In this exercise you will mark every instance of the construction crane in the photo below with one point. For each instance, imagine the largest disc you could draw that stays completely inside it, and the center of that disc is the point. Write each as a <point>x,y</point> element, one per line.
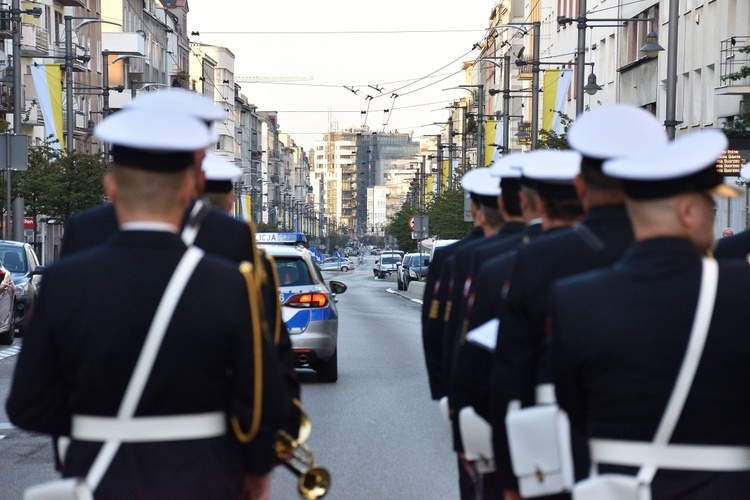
<point>272,79</point>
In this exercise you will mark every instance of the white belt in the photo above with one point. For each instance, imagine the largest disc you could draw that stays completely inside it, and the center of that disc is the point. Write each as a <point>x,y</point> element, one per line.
<point>143,429</point>
<point>695,457</point>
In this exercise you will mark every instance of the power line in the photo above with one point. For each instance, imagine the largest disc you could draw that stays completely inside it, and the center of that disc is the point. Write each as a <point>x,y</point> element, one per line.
<point>346,32</point>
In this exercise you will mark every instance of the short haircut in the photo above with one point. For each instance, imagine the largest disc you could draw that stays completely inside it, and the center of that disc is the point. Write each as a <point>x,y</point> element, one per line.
<point>146,190</point>
<point>591,172</point>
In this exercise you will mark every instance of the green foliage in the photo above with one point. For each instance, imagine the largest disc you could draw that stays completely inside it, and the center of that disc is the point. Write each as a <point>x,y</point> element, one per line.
<point>265,227</point>
<point>447,215</point>
<point>398,227</point>
<point>59,184</point>
<point>744,71</point>
<point>551,140</point>
<point>740,126</point>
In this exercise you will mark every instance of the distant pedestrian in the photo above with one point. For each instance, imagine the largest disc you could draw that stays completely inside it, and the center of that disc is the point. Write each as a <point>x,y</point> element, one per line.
<point>728,231</point>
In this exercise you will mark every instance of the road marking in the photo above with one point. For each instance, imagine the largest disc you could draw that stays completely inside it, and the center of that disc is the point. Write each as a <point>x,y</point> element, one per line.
<point>10,351</point>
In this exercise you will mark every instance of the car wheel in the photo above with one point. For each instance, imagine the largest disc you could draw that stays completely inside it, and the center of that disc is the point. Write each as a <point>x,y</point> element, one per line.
<point>344,268</point>
<point>328,371</point>
<point>381,276</point>
<point>375,272</point>
<point>399,283</point>
<point>406,284</point>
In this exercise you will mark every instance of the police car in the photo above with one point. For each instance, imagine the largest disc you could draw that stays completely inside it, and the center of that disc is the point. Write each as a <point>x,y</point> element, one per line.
<point>308,305</point>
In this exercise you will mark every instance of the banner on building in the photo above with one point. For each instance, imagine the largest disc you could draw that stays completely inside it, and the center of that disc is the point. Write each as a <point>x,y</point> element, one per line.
<point>446,171</point>
<point>490,143</point>
<point>556,86</point>
<point>48,85</point>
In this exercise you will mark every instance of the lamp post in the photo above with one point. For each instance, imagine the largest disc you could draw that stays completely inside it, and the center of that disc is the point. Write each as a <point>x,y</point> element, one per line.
<point>479,97</point>
<point>70,118</point>
<point>651,48</point>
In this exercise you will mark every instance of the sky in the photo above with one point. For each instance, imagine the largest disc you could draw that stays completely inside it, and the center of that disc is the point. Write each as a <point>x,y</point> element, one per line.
<point>359,54</point>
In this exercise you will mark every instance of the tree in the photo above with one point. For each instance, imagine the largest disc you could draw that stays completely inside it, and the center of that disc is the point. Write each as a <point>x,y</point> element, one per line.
<point>59,184</point>
<point>447,215</point>
<point>398,227</point>
<point>549,139</point>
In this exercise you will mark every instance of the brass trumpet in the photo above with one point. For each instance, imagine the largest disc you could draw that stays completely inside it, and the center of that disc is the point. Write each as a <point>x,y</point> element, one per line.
<point>314,480</point>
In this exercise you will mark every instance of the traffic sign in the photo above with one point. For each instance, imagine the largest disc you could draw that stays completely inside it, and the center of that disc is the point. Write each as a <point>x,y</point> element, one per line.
<point>411,222</point>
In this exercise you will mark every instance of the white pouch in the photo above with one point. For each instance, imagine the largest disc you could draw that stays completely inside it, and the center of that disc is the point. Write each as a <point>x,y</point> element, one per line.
<point>74,488</point>
<point>540,450</point>
<point>612,487</point>
<point>476,435</point>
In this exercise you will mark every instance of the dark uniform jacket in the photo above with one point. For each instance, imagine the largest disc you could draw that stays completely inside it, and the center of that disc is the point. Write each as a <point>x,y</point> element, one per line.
<point>82,345</point>
<point>733,247</point>
<point>599,240</point>
<point>219,235</point>
<point>619,337</point>
<point>433,311</point>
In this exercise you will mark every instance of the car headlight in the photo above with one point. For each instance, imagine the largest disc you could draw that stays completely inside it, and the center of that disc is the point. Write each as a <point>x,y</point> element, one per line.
<point>412,274</point>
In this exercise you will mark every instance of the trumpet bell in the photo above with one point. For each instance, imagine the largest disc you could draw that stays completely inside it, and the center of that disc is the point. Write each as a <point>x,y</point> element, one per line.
<point>314,483</point>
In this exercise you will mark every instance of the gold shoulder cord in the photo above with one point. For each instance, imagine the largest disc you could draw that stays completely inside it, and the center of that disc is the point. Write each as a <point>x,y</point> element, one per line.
<point>275,282</point>
<point>246,269</point>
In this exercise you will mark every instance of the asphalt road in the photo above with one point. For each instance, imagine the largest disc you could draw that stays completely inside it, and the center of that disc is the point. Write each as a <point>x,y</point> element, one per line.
<point>376,430</point>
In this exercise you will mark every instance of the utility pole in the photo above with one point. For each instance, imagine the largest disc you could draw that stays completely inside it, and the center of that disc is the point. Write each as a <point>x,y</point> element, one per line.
<point>439,172</point>
<point>581,59</point>
<point>70,123</point>
<point>17,106</point>
<point>535,81</point>
<point>506,104</point>
<point>450,152</point>
<point>480,125</point>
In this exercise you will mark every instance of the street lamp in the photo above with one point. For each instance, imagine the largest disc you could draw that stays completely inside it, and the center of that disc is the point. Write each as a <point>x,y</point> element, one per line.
<point>70,118</point>
<point>651,48</point>
<point>479,97</point>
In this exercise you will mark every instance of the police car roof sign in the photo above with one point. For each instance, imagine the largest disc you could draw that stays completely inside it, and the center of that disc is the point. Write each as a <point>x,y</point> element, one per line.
<point>280,238</point>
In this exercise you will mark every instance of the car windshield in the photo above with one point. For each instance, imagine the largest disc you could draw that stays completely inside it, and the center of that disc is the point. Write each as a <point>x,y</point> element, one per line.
<point>292,272</point>
<point>13,259</point>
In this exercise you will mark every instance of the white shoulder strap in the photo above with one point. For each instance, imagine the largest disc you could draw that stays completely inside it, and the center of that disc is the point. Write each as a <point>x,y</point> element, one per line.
<point>701,323</point>
<point>150,349</point>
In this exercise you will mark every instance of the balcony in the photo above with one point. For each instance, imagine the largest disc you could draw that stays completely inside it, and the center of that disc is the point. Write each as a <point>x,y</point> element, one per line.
<point>73,3</point>
<point>734,62</point>
<point>34,41</point>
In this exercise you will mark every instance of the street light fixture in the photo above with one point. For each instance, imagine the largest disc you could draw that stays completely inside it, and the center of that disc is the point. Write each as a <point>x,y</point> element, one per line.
<point>70,118</point>
<point>651,48</point>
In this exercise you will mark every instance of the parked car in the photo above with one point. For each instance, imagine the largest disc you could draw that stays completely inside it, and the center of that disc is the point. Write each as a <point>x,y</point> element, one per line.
<point>21,260</point>
<point>308,308</point>
<point>412,268</point>
<point>7,307</point>
<point>336,264</point>
<point>387,264</point>
<point>386,253</point>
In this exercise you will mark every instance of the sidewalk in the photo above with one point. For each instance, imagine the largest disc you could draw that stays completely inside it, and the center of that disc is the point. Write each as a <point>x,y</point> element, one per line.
<point>414,293</point>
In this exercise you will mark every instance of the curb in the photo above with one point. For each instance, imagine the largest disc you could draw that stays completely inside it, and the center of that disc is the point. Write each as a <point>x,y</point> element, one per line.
<point>415,293</point>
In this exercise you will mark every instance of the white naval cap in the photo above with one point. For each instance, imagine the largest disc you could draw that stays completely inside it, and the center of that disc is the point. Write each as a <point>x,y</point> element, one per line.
<point>480,181</point>
<point>154,140</point>
<point>687,164</point>
<point>551,165</point>
<point>615,130</point>
<point>181,101</point>
<point>508,165</point>
<point>220,173</point>
<point>481,186</point>
<point>551,172</point>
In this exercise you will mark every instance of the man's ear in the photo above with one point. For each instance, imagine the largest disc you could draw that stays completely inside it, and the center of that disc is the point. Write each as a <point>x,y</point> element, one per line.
<point>579,186</point>
<point>110,187</point>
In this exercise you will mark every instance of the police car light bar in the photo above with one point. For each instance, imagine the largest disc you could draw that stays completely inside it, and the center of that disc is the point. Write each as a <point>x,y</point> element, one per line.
<point>281,238</point>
